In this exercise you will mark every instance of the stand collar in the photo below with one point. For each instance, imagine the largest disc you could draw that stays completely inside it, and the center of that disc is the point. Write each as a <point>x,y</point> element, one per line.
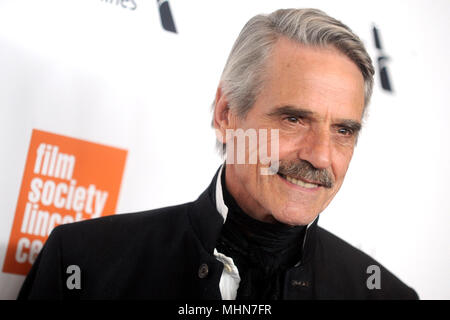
<point>209,212</point>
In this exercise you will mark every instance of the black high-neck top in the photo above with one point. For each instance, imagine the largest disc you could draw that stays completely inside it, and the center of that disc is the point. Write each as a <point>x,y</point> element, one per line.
<point>261,251</point>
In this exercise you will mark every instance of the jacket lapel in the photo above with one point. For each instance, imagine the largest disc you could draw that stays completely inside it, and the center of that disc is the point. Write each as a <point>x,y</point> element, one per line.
<point>207,223</point>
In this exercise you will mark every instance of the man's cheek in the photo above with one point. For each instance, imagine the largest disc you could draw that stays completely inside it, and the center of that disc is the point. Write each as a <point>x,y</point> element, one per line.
<point>331,193</point>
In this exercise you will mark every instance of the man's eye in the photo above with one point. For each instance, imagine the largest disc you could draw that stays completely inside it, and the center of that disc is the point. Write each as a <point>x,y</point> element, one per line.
<point>292,119</point>
<point>345,131</point>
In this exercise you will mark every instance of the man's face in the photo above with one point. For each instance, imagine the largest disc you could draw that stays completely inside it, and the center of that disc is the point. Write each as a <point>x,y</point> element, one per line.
<point>315,98</point>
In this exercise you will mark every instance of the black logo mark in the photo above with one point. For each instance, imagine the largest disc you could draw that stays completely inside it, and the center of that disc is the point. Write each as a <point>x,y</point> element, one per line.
<point>382,62</point>
<point>166,16</point>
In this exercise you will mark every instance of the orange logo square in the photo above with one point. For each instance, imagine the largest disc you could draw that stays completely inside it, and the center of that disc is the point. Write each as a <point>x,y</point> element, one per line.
<point>65,180</point>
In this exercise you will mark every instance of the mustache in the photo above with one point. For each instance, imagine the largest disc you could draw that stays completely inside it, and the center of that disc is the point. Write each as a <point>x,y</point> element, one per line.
<point>299,169</point>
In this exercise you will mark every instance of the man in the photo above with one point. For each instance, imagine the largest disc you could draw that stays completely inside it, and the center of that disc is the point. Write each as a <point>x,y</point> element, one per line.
<point>253,233</point>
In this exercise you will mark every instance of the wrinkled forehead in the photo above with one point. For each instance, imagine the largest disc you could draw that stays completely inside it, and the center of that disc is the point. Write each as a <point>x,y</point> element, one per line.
<point>321,79</point>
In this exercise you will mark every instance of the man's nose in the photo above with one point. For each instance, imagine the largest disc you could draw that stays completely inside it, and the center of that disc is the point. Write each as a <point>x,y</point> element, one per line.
<point>316,148</point>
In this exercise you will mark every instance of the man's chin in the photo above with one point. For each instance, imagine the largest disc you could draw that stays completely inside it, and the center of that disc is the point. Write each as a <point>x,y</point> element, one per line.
<point>294,217</point>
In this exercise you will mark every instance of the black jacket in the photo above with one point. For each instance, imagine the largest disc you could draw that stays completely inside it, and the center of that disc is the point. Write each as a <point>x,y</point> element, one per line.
<point>167,253</point>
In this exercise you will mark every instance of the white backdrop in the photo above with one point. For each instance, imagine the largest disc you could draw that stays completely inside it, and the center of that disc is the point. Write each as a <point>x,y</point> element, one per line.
<point>97,71</point>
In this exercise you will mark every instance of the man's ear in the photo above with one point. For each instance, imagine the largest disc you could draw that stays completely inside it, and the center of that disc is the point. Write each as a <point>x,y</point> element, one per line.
<point>223,116</point>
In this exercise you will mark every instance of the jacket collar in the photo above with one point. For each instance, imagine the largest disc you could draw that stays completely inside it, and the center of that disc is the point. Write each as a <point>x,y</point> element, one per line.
<point>208,213</point>
<point>204,217</point>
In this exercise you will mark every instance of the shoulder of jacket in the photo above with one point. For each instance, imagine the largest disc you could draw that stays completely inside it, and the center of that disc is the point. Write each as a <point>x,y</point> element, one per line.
<point>353,265</point>
<point>336,246</point>
<point>124,224</point>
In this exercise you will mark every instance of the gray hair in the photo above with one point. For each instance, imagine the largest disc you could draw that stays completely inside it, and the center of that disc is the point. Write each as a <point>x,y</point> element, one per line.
<point>242,78</point>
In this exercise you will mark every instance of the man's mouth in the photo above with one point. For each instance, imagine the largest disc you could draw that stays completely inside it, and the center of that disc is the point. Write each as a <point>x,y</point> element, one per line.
<point>304,184</point>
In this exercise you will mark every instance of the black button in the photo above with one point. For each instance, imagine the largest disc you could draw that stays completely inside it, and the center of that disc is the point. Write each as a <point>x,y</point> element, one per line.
<point>203,271</point>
